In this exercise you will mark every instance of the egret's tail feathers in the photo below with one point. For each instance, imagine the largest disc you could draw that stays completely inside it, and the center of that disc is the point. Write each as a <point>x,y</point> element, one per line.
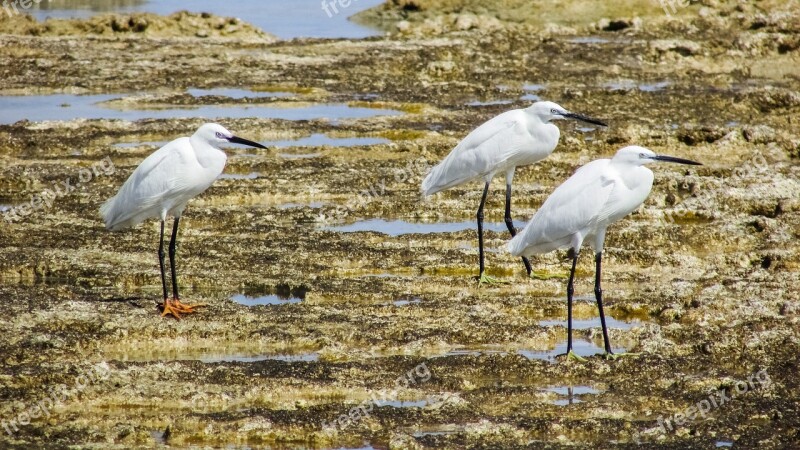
<point>106,212</point>
<point>114,218</point>
<point>439,180</point>
<point>516,245</point>
<point>428,184</point>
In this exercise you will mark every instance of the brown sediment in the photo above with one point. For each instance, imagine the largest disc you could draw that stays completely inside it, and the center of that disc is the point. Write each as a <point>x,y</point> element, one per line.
<point>708,267</point>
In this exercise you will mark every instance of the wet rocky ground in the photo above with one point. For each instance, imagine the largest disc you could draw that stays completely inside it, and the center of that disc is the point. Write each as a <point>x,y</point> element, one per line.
<point>367,328</point>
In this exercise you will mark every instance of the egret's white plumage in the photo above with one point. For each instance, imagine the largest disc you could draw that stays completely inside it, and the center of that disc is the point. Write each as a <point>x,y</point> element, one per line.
<point>514,138</point>
<point>164,183</point>
<point>166,180</point>
<point>581,209</point>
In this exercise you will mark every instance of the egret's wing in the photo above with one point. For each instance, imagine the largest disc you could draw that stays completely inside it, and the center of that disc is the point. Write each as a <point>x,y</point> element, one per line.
<point>623,200</point>
<point>574,207</point>
<point>161,176</point>
<point>486,149</point>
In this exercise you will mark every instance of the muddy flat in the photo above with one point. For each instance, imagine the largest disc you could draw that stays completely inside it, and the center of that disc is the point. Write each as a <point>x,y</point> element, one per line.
<point>342,308</point>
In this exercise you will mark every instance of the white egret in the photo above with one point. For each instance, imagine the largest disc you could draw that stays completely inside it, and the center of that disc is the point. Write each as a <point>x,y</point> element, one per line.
<point>597,195</point>
<point>163,184</point>
<point>514,138</point>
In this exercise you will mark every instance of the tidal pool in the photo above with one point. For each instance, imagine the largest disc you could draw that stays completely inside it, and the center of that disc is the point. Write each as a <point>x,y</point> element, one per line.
<point>592,323</point>
<point>219,356</point>
<point>400,227</point>
<point>65,107</point>
<point>236,93</point>
<point>320,139</point>
<point>630,84</point>
<point>572,394</point>
<point>264,300</point>
<point>305,18</point>
<point>581,347</point>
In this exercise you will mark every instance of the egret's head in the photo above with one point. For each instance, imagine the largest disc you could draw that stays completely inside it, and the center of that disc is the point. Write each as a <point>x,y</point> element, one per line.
<point>547,111</point>
<point>216,135</point>
<point>638,156</point>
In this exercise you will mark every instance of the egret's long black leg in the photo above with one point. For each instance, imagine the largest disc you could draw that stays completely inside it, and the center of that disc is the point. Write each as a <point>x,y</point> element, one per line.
<point>161,261</point>
<point>570,292</point>
<point>598,294</point>
<point>480,227</point>
<point>174,306</point>
<point>510,225</point>
<point>172,247</point>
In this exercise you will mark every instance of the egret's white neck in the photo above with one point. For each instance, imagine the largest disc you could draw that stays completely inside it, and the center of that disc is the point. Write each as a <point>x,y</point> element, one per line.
<point>543,131</point>
<point>633,174</point>
<point>209,156</point>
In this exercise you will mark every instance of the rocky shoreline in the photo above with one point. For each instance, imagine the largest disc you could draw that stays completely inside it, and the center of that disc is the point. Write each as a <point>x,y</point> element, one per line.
<point>702,282</point>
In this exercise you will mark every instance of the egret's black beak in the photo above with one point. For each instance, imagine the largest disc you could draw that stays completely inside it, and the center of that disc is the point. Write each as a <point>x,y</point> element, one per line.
<point>676,160</point>
<point>238,140</point>
<point>583,118</point>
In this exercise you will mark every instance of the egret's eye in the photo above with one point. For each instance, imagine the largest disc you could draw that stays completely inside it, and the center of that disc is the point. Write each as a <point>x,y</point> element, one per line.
<point>554,111</point>
<point>221,136</point>
<point>642,155</point>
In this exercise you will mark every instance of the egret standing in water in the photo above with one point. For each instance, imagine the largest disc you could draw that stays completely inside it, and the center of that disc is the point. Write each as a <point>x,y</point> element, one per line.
<point>514,138</point>
<point>597,195</point>
<point>163,184</point>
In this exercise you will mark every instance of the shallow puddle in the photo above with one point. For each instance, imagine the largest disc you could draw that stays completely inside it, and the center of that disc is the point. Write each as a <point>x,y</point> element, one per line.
<point>440,430</point>
<point>236,93</point>
<point>312,205</point>
<point>626,85</point>
<point>529,92</point>
<point>530,97</point>
<point>379,275</point>
<point>400,227</point>
<point>265,300</point>
<point>571,394</point>
<point>157,144</point>
<point>299,156</point>
<point>473,247</point>
<point>406,403</point>
<point>320,139</point>
<point>580,347</point>
<point>301,357</point>
<point>489,103</point>
<point>159,437</point>
<point>476,352</point>
<point>37,108</point>
<point>219,356</point>
<point>585,324</point>
<point>588,40</point>
<point>407,301</point>
<point>306,18</point>
<point>572,390</point>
